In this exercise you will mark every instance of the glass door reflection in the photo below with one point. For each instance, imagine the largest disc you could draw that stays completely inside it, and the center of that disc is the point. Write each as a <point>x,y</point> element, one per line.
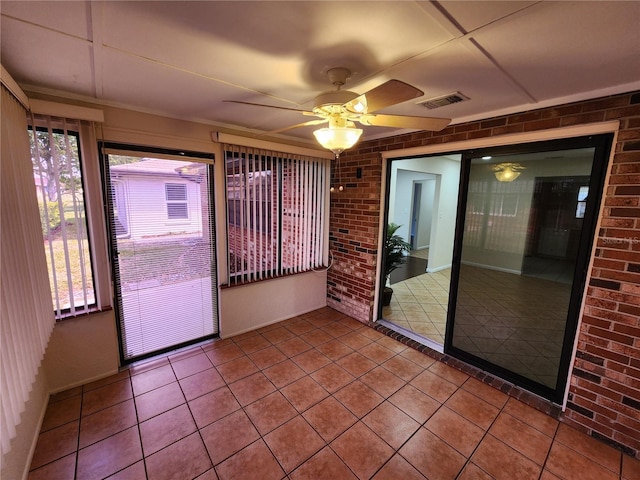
<point>520,265</point>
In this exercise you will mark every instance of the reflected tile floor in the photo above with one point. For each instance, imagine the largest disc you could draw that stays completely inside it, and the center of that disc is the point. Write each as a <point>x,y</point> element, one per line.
<point>514,321</point>
<point>318,396</point>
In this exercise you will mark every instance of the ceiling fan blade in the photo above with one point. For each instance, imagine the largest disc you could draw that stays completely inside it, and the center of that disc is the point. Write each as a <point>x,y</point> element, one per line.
<point>269,106</point>
<point>403,121</point>
<point>382,96</point>
<point>304,124</point>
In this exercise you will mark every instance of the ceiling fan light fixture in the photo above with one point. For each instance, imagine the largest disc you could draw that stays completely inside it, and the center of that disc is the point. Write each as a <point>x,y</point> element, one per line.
<point>337,139</point>
<point>507,172</point>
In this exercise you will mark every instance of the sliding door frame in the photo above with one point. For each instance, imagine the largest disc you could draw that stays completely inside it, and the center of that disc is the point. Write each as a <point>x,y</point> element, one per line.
<point>602,144</point>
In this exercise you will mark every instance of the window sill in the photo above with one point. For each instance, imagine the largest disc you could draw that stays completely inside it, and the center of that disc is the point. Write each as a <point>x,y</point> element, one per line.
<point>279,277</point>
<point>89,312</point>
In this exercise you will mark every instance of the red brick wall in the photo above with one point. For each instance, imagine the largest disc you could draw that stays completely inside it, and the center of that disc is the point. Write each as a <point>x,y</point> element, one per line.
<point>604,398</point>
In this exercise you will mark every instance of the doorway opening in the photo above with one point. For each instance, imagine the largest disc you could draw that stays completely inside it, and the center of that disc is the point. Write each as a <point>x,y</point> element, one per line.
<point>160,209</point>
<point>422,199</point>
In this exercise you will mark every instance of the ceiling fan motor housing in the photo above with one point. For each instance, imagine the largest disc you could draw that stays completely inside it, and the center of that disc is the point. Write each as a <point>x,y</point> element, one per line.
<point>334,97</point>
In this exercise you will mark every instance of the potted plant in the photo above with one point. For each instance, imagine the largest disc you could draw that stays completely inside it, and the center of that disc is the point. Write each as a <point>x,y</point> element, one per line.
<point>394,249</point>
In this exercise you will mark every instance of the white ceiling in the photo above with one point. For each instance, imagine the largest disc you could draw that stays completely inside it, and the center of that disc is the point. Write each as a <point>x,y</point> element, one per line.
<point>183,59</point>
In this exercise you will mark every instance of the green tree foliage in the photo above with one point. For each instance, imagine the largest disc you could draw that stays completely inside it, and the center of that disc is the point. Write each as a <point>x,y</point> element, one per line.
<point>56,163</point>
<point>122,159</point>
<point>53,214</point>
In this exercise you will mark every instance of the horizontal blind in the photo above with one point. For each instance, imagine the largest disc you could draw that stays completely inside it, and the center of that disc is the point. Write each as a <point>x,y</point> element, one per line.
<point>162,230</point>
<point>275,213</point>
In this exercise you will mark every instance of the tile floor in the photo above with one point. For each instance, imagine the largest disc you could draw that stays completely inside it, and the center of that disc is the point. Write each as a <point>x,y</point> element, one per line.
<point>319,396</point>
<point>420,304</point>
<point>514,321</point>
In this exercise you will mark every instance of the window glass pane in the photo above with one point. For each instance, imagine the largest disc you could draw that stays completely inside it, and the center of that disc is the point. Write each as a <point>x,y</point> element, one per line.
<point>164,271</point>
<point>176,191</point>
<point>58,178</point>
<point>519,251</point>
<point>275,213</point>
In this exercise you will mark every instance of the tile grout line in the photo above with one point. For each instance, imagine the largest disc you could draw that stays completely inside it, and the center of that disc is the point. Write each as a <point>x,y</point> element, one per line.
<point>186,402</point>
<point>553,440</point>
<point>307,374</point>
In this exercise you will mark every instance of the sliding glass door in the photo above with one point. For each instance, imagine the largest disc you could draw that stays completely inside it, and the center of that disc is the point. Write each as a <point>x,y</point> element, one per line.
<point>525,227</point>
<point>163,250</point>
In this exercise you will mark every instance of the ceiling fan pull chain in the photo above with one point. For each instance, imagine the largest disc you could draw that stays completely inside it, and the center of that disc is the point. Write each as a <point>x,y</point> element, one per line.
<point>339,175</point>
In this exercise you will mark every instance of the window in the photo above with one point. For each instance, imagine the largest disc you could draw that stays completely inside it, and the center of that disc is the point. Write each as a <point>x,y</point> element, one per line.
<point>57,172</point>
<point>276,213</point>
<point>238,202</point>
<point>505,205</point>
<point>177,206</point>
<point>581,206</point>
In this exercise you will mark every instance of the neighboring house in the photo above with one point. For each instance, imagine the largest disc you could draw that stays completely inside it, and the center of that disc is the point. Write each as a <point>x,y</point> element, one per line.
<point>141,186</point>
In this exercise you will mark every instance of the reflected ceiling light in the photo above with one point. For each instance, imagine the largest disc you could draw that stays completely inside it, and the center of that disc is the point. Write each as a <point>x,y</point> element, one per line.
<point>507,172</point>
<point>340,135</point>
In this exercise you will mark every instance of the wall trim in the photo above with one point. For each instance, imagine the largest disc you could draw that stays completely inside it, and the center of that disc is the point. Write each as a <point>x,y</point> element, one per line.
<point>508,139</point>
<point>438,269</point>
<point>144,138</point>
<point>66,110</point>
<point>11,85</point>
<point>222,137</point>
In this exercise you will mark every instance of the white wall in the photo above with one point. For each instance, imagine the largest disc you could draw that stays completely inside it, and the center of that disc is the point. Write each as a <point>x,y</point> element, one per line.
<point>81,350</point>
<point>402,192</point>
<point>247,307</point>
<point>445,203</point>
<point>144,194</point>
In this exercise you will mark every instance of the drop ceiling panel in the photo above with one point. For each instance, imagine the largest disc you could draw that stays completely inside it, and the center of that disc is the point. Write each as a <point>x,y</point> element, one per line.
<point>183,59</point>
<point>188,39</point>
<point>568,46</point>
<point>273,46</point>
<point>458,67</point>
<point>70,18</point>
<point>65,63</point>
<point>155,87</point>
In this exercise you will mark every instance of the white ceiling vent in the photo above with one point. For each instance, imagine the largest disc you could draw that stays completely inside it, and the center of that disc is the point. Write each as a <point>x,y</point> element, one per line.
<point>444,100</point>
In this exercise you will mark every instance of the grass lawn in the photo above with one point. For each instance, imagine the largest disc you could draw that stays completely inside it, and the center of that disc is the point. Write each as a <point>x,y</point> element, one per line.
<point>75,261</point>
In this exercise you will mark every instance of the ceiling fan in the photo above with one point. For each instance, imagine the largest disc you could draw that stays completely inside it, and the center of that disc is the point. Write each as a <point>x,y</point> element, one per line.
<point>341,109</point>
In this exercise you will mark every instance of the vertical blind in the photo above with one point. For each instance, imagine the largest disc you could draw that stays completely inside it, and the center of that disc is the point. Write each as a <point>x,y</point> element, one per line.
<point>57,171</point>
<point>276,212</point>
<point>27,316</point>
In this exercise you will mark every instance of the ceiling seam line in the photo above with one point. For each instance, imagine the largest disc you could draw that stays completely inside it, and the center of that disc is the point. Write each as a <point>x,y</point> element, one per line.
<point>96,11</point>
<point>201,75</point>
<point>504,72</point>
<point>44,27</point>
